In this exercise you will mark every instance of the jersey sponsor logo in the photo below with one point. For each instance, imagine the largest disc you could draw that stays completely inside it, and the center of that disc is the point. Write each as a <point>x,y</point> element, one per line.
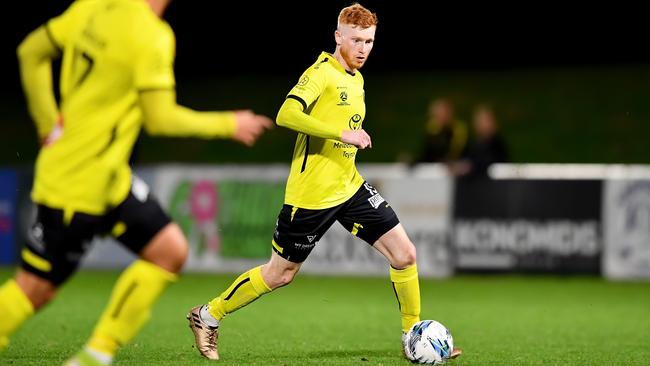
<point>349,155</point>
<point>355,122</point>
<point>346,154</point>
<point>342,145</point>
<point>311,238</point>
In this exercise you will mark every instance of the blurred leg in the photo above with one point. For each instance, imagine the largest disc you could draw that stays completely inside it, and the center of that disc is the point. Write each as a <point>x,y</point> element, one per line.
<point>19,298</point>
<point>137,290</point>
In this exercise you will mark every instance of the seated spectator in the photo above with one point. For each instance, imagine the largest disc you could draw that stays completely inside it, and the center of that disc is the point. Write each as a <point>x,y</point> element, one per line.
<point>487,146</point>
<point>445,136</point>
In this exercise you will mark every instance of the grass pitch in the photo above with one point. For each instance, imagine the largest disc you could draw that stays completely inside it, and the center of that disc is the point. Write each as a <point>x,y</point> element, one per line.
<point>497,320</point>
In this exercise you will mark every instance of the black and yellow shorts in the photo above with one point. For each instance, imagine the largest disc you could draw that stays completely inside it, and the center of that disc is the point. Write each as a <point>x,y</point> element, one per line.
<point>366,215</point>
<point>55,244</point>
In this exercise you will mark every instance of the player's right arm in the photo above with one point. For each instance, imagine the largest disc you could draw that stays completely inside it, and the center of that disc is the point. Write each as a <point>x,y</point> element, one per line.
<point>294,114</point>
<point>35,55</point>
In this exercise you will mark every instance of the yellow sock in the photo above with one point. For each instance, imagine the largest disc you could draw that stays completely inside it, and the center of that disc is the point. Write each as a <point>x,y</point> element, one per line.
<point>246,289</point>
<point>130,305</point>
<point>407,290</point>
<point>15,308</point>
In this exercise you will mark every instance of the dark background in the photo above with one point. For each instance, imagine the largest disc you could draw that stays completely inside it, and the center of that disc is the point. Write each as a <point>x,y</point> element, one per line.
<point>568,83</point>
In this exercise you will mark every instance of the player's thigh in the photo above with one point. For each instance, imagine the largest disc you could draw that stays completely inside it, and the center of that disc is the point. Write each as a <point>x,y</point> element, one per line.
<point>298,231</point>
<point>168,248</point>
<point>142,226</point>
<point>367,215</point>
<point>55,244</point>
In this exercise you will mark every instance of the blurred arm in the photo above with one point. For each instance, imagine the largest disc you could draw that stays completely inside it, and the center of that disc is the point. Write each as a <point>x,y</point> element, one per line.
<point>292,116</point>
<point>35,55</point>
<point>163,116</point>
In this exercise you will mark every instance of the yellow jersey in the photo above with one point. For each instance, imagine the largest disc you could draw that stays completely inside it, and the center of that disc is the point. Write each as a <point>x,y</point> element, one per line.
<point>323,171</point>
<point>112,50</point>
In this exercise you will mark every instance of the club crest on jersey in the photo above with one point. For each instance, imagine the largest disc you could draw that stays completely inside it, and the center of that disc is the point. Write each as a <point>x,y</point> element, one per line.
<point>355,122</point>
<point>344,97</point>
<point>303,80</point>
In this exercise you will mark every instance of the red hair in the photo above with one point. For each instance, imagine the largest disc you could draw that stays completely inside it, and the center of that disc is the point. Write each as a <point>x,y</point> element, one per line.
<point>357,15</point>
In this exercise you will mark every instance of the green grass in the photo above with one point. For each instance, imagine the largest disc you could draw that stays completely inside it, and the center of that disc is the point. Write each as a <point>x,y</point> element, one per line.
<point>498,320</point>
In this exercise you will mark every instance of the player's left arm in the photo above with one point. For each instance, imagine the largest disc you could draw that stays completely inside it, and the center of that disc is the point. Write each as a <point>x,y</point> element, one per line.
<point>35,56</point>
<point>154,79</point>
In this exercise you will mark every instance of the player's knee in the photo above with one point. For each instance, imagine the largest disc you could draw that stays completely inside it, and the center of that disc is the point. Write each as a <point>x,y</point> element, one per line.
<point>285,279</point>
<point>47,296</point>
<point>38,290</point>
<point>282,278</point>
<point>179,256</point>
<point>406,257</point>
<point>168,250</point>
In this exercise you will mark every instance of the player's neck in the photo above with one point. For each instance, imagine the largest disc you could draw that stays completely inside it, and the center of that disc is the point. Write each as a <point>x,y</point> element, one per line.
<point>337,55</point>
<point>158,6</point>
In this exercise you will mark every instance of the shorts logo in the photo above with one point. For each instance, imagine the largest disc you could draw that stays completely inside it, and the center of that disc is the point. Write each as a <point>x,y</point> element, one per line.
<point>311,238</point>
<point>35,236</point>
<point>376,200</point>
<point>304,246</point>
<point>355,122</point>
<point>139,188</point>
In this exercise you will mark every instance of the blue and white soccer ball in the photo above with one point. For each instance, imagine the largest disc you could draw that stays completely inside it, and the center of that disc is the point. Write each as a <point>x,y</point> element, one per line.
<point>428,342</point>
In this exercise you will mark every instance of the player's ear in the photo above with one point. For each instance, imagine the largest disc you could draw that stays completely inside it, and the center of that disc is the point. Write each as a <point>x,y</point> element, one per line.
<point>338,37</point>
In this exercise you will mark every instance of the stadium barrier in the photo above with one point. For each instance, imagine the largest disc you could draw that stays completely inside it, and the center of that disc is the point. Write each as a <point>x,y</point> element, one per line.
<point>229,215</point>
<point>527,218</point>
<point>8,205</point>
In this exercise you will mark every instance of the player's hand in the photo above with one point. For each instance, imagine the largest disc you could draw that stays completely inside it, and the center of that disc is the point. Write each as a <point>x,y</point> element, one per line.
<point>358,138</point>
<point>55,134</point>
<point>250,126</point>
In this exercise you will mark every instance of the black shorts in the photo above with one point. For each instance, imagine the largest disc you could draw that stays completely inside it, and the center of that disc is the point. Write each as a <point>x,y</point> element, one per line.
<point>366,215</point>
<point>54,249</point>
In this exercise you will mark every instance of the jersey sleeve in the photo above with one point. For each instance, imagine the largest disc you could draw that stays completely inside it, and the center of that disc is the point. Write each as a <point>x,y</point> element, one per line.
<point>154,67</point>
<point>309,87</point>
<point>59,29</point>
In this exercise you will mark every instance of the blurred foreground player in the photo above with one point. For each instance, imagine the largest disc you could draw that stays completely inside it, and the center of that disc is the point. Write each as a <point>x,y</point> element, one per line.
<point>116,77</point>
<point>327,109</point>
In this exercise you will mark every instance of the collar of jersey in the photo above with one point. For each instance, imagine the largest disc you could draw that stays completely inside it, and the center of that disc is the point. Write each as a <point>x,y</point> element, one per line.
<point>335,63</point>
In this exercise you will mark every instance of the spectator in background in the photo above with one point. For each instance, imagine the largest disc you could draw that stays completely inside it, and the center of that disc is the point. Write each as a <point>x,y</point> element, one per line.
<point>445,136</point>
<point>487,146</point>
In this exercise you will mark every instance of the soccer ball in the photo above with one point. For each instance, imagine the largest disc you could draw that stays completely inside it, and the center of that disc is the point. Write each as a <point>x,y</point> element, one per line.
<point>428,342</point>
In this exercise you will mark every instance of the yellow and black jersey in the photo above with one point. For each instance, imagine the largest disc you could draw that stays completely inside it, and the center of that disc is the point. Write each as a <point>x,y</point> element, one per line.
<point>112,50</point>
<point>323,172</point>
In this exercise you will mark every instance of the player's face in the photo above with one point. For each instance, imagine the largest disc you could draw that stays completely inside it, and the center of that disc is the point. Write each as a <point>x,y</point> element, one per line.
<point>355,44</point>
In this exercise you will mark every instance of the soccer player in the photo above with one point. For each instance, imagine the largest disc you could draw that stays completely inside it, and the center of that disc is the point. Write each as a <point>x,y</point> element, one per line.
<point>326,107</point>
<point>116,77</point>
